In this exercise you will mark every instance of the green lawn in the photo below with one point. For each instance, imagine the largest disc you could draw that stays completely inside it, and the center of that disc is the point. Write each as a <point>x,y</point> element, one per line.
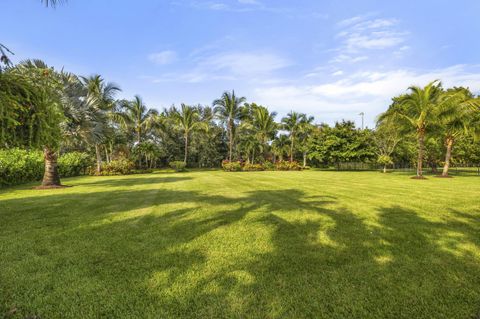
<point>210,244</point>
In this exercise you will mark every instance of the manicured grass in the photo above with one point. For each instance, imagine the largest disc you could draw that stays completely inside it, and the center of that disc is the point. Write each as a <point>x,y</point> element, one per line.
<point>243,245</point>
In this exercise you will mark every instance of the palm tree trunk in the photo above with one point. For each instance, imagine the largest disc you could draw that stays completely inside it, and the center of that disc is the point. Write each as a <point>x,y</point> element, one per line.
<point>421,150</point>
<point>448,156</point>
<point>384,168</point>
<point>106,154</point>
<point>51,176</point>
<point>99,158</point>
<point>186,149</point>
<point>291,149</point>
<point>230,141</point>
<point>304,159</point>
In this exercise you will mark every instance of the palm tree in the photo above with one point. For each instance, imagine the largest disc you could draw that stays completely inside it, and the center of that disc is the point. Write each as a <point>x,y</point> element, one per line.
<point>417,110</point>
<point>229,110</point>
<point>47,116</point>
<point>292,123</point>
<point>136,116</point>
<point>456,115</point>
<point>188,118</point>
<point>280,146</point>
<point>101,96</point>
<point>263,124</point>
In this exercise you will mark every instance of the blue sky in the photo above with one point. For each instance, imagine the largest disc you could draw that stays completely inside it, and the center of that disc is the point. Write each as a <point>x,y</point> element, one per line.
<point>330,59</point>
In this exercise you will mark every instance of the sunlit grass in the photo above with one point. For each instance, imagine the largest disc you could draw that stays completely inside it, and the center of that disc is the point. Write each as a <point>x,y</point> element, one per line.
<point>261,245</point>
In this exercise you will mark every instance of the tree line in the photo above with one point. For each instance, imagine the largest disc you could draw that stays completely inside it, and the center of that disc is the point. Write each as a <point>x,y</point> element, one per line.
<point>60,112</point>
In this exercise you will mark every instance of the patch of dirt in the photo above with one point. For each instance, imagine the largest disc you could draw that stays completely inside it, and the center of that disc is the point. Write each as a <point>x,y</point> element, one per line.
<point>51,187</point>
<point>418,177</point>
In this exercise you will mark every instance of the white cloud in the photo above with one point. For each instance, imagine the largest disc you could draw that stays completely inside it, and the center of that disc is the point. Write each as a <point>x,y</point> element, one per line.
<point>368,92</point>
<point>362,38</point>
<point>162,58</point>
<point>231,66</point>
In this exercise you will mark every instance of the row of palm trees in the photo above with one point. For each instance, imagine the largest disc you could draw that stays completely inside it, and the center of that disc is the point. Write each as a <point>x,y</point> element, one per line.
<point>431,110</point>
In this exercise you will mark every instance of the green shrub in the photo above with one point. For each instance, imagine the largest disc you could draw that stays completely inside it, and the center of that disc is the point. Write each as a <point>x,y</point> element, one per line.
<point>231,166</point>
<point>19,166</point>
<point>178,166</point>
<point>253,167</point>
<point>73,164</point>
<point>121,166</point>
<point>269,166</point>
<point>287,166</point>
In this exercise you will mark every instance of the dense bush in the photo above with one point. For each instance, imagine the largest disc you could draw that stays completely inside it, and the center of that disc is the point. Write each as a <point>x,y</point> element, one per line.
<point>73,164</point>
<point>287,166</point>
<point>20,166</point>
<point>178,166</point>
<point>121,166</point>
<point>231,166</point>
<point>253,167</point>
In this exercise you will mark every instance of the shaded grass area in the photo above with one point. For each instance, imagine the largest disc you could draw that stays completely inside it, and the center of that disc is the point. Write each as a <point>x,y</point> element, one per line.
<point>306,244</point>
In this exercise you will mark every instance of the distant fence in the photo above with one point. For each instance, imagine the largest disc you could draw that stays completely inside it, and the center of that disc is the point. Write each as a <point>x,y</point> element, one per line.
<point>464,169</point>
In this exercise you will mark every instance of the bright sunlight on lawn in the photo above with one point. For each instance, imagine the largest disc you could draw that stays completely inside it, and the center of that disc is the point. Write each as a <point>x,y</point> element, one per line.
<point>213,244</point>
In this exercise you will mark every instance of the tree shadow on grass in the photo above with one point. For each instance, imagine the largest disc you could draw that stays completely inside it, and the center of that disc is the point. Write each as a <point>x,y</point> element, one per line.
<point>321,260</point>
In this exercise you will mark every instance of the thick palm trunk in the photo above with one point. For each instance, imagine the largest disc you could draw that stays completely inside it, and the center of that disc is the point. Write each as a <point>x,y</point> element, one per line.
<point>304,159</point>
<point>448,156</point>
<point>99,158</point>
<point>385,168</point>
<point>186,149</point>
<point>51,176</point>
<point>421,150</point>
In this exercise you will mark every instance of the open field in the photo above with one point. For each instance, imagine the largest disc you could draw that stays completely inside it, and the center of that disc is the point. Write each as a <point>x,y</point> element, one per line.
<point>242,245</point>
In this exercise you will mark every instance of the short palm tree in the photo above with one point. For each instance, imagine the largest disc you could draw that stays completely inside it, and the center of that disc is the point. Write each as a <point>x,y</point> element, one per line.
<point>417,110</point>
<point>229,110</point>
<point>188,118</point>
<point>292,123</point>
<point>101,97</point>
<point>135,116</point>
<point>458,108</point>
<point>264,126</point>
<point>281,146</point>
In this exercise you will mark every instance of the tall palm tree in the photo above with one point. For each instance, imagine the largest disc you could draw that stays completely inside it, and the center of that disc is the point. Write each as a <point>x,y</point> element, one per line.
<point>292,123</point>
<point>101,96</point>
<point>135,115</point>
<point>188,118</point>
<point>457,111</point>
<point>417,110</point>
<point>229,110</point>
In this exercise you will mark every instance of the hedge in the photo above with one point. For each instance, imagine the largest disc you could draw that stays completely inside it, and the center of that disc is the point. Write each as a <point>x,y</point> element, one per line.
<point>18,166</point>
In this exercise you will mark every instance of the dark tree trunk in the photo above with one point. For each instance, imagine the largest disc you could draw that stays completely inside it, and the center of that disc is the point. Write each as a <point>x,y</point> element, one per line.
<point>99,158</point>
<point>186,149</point>
<point>291,148</point>
<point>448,156</point>
<point>51,176</point>
<point>230,141</point>
<point>421,150</point>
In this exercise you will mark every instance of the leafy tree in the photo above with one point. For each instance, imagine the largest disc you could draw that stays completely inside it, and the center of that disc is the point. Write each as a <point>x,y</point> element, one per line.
<point>280,146</point>
<point>229,110</point>
<point>342,143</point>
<point>386,136</point>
